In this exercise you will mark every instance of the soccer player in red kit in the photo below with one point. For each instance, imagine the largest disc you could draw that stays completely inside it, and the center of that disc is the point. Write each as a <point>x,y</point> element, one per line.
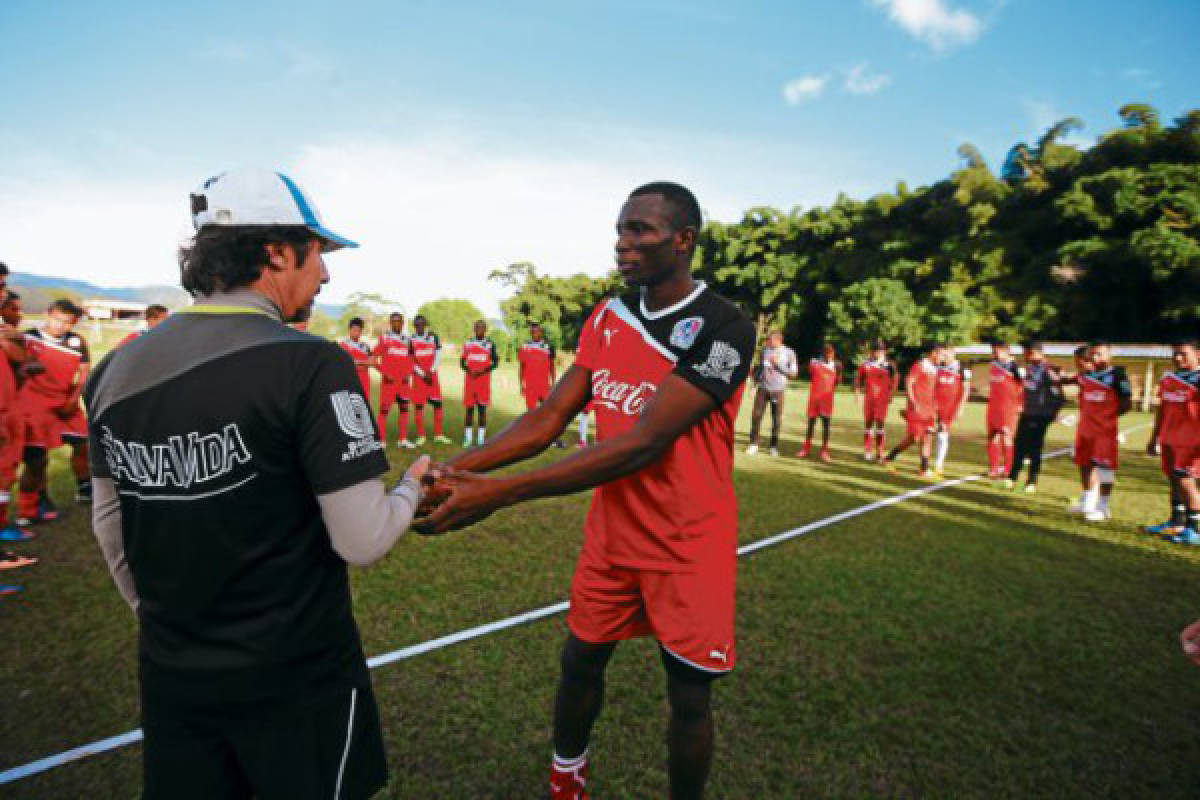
<point>12,418</point>
<point>360,352</point>
<point>478,360</point>
<point>1176,436</point>
<point>535,367</point>
<point>950,394</point>
<point>154,315</point>
<point>665,365</point>
<point>53,415</point>
<point>1105,393</point>
<point>427,386</point>
<point>875,381</point>
<point>920,414</point>
<point>824,373</point>
<point>1006,394</point>
<point>394,351</point>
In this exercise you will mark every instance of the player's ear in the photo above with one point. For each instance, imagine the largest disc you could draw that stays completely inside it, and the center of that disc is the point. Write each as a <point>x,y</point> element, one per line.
<point>280,257</point>
<point>685,240</point>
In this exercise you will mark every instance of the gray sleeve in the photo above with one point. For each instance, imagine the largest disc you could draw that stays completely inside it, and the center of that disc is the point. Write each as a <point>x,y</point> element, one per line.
<point>106,523</point>
<point>793,369</point>
<point>365,520</point>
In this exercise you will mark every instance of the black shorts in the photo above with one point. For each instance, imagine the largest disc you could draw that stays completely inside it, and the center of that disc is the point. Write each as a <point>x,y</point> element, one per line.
<point>323,746</point>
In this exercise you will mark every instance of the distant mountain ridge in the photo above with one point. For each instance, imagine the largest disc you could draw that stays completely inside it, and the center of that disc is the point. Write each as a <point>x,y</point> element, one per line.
<point>170,296</point>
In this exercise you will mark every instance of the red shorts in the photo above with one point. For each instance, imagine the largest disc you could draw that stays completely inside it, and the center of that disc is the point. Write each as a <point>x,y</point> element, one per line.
<point>535,397</point>
<point>423,392</point>
<point>689,613</point>
<point>1001,420</point>
<point>13,425</point>
<point>477,391</point>
<point>1181,461</point>
<point>392,391</point>
<point>46,429</point>
<point>875,409</point>
<point>918,424</point>
<point>948,415</point>
<point>820,405</point>
<point>1100,451</point>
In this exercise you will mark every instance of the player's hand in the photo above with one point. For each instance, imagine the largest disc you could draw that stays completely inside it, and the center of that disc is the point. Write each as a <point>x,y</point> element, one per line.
<point>1190,639</point>
<point>67,410</point>
<point>470,498</point>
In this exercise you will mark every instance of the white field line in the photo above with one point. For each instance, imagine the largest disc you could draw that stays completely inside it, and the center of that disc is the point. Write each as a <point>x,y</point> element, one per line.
<point>130,737</point>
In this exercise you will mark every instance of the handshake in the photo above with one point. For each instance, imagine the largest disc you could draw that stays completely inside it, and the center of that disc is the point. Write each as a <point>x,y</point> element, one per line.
<point>450,499</point>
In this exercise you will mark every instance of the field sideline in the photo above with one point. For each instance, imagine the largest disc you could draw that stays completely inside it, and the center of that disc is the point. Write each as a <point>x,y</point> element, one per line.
<point>971,642</point>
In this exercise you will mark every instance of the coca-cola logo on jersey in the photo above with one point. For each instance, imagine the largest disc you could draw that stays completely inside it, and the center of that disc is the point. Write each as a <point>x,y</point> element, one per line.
<point>619,395</point>
<point>1174,396</point>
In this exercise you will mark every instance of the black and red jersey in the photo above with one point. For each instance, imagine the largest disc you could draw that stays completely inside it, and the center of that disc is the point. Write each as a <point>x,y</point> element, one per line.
<point>61,356</point>
<point>479,355</point>
<point>878,378</point>
<point>427,352</point>
<point>537,359</point>
<point>682,508</point>
<point>1179,393</point>
<point>395,355</point>
<point>1100,394</point>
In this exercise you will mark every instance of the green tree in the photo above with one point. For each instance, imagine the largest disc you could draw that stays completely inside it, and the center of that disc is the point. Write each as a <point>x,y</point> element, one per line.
<point>372,308</point>
<point>877,308</point>
<point>452,319</point>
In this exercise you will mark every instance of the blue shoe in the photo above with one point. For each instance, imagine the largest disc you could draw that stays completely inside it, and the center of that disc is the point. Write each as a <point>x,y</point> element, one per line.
<point>14,534</point>
<point>1163,529</point>
<point>1186,536</point>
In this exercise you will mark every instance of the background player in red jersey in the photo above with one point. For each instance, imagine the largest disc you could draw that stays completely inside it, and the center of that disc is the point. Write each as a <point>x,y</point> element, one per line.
<point>54,417</point>
<point>478,360</point>
<point>427,386</point>
<point>665,365</point>
<point>1176,436</point>
<point>360,352</point>
<point>536,370</point>
<point>875,381</point>
<point>154,315</point>
<point>1006,393</point>
<point>950,394</point>
<point>825,373</point>
<point>1104,395</point>
<point>394,351</point>
<point>12,418</point>
<point>920,414</point>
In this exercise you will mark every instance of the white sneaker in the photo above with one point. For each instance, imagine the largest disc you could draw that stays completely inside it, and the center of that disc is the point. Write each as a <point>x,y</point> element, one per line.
<point>466,443</point>
<point>868,456</point>
<point>420,441</point>
<point>405,444</point>
<point>1096,515</point>
<point>752,449</point>
<point>774,451</point>
<point>1078,507</point>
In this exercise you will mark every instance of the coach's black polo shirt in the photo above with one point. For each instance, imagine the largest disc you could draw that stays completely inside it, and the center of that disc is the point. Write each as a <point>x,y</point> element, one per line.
<point>219,429</point>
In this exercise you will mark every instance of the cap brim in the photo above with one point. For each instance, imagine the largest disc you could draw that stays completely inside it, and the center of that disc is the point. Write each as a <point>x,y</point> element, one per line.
<point>330,241</point>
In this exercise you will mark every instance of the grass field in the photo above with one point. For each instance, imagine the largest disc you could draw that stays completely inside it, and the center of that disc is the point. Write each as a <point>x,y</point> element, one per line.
<point>968,643</point>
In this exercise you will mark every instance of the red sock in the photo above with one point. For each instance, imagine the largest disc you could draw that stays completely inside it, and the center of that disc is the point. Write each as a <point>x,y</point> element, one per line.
<point>402,425</point>
<point>868,438</point>
<point>1010,453</point>
<point>439,417</point>
<point>420,412</point>
<point>27,504</point>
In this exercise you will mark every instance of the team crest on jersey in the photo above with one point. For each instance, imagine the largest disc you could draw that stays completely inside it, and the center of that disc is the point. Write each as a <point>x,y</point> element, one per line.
<point>723,359</point>
<point>685,332</point>
<point>354,418</point>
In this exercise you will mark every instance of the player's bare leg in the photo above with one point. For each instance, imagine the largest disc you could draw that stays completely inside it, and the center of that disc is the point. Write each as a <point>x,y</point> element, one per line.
<point>468,425</point>
<point>905,443</point>
<point>419,413</point>
<point>825,439</point>
<point>689,732</point>
<point>481,431</point>
<point>577,705</point>
<point>439,422</point>
<point>812,426</point>
<point>1087,501</point>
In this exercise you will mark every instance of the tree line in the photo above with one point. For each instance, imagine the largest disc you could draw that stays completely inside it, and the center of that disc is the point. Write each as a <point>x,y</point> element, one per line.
<point>1060,243</point>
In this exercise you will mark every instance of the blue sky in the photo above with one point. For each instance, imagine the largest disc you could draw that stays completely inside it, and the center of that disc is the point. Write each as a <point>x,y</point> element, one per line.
<point>455,138</point>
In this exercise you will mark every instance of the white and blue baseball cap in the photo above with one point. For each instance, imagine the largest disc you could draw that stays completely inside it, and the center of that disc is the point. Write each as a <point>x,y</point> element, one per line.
<point>255,196</point>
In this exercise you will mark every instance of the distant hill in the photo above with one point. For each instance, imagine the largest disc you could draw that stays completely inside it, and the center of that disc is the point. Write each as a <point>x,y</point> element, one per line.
<point>47,287</point>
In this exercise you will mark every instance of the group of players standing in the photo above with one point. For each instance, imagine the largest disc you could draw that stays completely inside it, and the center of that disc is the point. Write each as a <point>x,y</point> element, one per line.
<point>407,364</point>
<point>1023,401</point>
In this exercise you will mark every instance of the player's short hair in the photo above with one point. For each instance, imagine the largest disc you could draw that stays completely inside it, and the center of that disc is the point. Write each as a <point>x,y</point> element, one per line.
<point>999,343</point>
<point>224,257</point>
<point>929,347</point>
<point>1099,343</point>
<point>355,322</point>
<point>67,307</point>
<point>533,325</point>
<point>155,310</point>
<point>395,315</point>
<point>1187,342</point>
<point>3,268</point>
<point>879,344</point>
<point>1035,346</point>
<point>1081,351</point>
<point>685,210</point>
<point>420,317</point>
<point>9,297</point>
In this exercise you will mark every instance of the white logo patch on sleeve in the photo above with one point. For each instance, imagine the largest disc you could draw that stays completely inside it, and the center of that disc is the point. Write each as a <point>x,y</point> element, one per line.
<point>685,332</point>
<point>354,418</point>
<point>723,359</point>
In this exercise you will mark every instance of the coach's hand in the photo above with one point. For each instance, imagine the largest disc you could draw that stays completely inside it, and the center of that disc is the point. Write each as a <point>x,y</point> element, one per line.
<point>1152,447</point>
<point>468,498</point>
<point>1190,639</point>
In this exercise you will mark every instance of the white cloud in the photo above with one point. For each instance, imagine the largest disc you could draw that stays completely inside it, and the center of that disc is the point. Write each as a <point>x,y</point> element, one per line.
<point>1142,77</point>
<point>806,87</point>
<point>934,22</point>
<point>861,80</point>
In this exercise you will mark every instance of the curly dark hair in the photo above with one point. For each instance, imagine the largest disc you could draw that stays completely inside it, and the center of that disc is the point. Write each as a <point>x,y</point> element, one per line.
<point>224,257</point>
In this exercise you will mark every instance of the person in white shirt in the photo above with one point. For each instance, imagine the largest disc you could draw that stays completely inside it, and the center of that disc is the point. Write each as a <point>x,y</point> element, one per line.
<point>776,365</point>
